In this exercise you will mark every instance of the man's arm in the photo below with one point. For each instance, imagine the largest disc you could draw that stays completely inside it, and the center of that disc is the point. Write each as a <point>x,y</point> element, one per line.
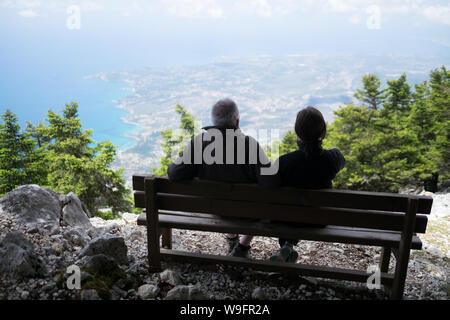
<point>267,172</point>
<point>181,171</point>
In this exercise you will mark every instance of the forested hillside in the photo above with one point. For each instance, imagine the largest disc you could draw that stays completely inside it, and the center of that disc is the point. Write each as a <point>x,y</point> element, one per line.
<point>396,136</point>
<point>60,155</point>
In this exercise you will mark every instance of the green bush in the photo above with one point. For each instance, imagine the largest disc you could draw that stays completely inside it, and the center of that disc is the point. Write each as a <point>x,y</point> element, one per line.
<point>108,215</point>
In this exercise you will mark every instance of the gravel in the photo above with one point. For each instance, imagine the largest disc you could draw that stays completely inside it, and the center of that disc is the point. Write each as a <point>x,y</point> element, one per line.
<point>428,273</point>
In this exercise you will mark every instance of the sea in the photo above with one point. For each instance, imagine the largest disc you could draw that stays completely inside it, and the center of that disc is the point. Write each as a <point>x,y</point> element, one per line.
<point>31,98</point>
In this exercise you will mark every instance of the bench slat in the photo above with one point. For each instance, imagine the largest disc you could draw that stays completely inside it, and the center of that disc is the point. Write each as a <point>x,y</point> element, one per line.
<point>333,216</point>
<point>212,216</point>
<point>324,198</point>
<point>327,234</point>
<point>290,268</point>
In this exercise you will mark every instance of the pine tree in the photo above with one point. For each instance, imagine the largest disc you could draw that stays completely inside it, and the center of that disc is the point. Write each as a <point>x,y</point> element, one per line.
<point>398,96</point>
<point>288,143</point>
<point>402,144</point>
<point>439,133</point>
<point>172,143</point>
<point>16,149</point>
<point>76,164</point>
<point>371,94</point>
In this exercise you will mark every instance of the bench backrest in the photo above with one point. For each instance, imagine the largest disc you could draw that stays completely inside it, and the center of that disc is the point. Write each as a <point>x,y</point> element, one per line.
<point>373,210</point>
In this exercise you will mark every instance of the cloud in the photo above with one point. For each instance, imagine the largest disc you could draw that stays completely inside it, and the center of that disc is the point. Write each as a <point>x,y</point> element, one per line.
<point>438,14</point>
<point>441,41</point>
<point>355,19</point>
<point>263,8</point>
<point>27,13</point>
<point>339,6</point>
<point>91,6</point>
<point>433,11</point>
<point>20,4</point>
<point>193,8</point>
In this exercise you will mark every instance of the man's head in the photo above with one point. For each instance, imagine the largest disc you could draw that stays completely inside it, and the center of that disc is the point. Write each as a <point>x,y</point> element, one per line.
<point>225,114</point>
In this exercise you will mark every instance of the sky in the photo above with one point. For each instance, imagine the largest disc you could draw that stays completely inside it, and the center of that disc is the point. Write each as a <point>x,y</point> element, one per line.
<point>49,47</point>
<point>115,34</point>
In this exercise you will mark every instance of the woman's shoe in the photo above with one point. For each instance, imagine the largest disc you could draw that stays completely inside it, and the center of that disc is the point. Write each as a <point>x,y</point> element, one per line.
<point>232,242</point>
<point>285,254</point>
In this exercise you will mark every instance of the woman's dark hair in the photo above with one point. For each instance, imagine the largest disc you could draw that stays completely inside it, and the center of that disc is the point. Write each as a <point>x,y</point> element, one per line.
<point>311,129</point>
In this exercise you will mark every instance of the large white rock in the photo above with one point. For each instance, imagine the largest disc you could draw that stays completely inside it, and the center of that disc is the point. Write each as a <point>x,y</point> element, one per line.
<point>148,291</point>
<point>32,204</point>
<point>129,218</point>
<point>72,212</point>
<point>441,205</point>
<point>171,277</point>
<point>77,236</point>
<point>183,292</point>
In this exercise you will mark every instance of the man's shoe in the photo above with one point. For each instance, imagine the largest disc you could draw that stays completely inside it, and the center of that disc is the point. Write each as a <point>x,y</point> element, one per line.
<point>240,251</point>
<point>232,242</point>
<point>285,254</point>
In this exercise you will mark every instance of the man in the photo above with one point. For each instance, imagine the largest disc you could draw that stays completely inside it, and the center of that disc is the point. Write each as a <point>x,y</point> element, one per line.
<point>222,153</point>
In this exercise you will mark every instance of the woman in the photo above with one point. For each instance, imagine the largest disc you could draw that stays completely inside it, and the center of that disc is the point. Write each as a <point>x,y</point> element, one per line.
<point>310,167</point>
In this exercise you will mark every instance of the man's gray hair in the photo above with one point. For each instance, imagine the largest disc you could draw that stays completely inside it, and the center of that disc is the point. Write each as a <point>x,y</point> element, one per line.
<point>225,113</point>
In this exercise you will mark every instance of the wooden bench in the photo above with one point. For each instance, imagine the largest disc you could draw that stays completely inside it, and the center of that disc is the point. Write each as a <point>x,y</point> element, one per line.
<point>387,220</point>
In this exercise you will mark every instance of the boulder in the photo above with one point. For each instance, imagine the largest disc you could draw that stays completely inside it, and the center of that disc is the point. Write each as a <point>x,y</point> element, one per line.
<point>182,292</point>
<point>95,232</point>
<point>109,245</point>
<point>90,294</point>
<point>258,294</point>
<point>148,291</point>
<point>42,209</point>
<point>130,218</point>
<point>127,283</point>
<point>171,277</point>
<point>18,239</point>
<point>72,212</point>
<point>77,236</point>
<point>113,228</point>
<point>18,260</point>
<point>98,264</point>
<point>32,204</point>
<point>178,293</point>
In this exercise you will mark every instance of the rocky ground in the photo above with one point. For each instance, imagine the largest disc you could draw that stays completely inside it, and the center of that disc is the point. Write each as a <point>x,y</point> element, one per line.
<point>43,233</point>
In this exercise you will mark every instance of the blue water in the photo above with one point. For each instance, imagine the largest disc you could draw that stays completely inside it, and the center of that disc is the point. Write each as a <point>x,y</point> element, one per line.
<point>43,64</point>
<point>98,103</point>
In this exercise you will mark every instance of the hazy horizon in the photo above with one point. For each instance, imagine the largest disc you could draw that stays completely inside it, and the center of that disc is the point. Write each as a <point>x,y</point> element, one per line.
<point>50,47</point>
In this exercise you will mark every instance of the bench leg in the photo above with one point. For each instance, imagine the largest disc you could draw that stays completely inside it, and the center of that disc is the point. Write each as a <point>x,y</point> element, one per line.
<point>401,266</point>
<point>385,258</point>
<point>166,238</point>
<point>153,235</point>
<point>401,269</point>
<point>384,265</point>
<point>154,259</point>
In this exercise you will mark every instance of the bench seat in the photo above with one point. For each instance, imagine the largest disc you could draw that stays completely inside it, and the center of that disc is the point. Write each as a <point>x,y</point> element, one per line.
<point>387,220</point>
<point>337,234</point>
